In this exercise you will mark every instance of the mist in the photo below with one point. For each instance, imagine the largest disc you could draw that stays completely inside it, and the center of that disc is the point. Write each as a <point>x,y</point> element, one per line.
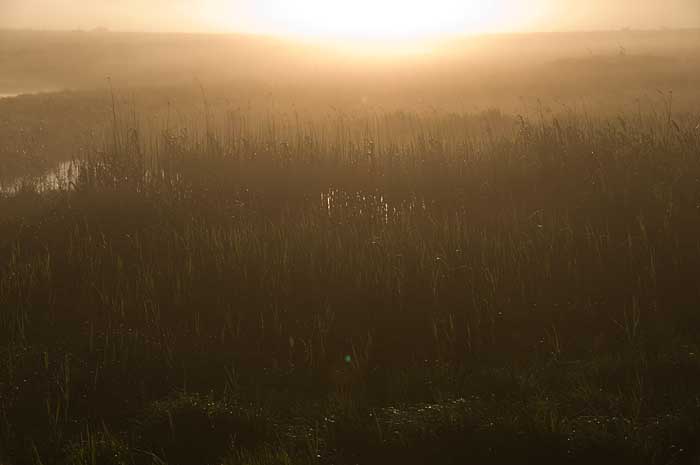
<point>336,232</point>
<point>259,17</point>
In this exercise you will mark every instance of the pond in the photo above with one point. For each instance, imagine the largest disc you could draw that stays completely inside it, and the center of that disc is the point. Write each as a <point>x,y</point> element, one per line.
<point>59,178</point>
<point>6,94</point>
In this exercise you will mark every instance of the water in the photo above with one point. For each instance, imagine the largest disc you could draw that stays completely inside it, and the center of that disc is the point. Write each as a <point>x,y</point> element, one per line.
<point>60,178</point>
<point>339,202</point>
<point>4,95</point>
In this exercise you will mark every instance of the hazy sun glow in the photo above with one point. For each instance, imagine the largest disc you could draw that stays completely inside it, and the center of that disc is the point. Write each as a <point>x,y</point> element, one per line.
<point>382,19</point>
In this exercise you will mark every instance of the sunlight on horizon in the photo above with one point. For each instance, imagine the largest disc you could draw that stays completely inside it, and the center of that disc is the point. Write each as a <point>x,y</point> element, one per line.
<point>387,21</point>
<point>359,21</point>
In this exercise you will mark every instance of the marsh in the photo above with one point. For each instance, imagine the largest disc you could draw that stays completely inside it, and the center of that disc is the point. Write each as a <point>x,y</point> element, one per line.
<point>241,236</point>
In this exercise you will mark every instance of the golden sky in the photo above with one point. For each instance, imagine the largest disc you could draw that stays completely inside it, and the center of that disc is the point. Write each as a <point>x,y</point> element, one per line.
<point>393,19</point>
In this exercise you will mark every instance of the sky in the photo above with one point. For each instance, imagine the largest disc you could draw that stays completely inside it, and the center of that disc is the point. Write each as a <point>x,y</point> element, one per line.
<point>350,18</point>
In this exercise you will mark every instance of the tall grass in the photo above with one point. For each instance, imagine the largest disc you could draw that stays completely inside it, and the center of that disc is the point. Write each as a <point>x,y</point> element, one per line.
<point>319,272</point>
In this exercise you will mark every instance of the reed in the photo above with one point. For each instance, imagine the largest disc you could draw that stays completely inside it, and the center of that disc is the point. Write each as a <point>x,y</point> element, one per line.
<point>425,287</point>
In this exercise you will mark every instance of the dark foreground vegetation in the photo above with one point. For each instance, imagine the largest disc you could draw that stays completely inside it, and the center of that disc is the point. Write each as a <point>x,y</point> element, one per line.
<point>394,289</point>
<point>355,284</point>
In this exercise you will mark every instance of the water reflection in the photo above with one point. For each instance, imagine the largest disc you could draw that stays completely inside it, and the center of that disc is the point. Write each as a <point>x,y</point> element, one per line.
<point>63,177</point>
<point>339,202</point>
<point>336,203</point>
<point>4,95</point>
